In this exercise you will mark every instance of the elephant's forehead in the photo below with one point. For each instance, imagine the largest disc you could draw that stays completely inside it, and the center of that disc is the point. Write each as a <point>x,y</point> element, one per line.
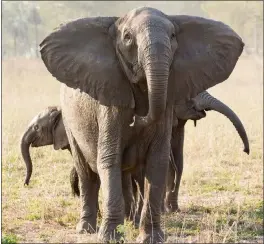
<point>38,118</point>
<point>34,120</point>
<point>146,16</point>
<point>150,23</point>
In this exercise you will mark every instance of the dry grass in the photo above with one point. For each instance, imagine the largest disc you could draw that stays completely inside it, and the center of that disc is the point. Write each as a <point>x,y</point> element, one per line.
<point>221,193</point>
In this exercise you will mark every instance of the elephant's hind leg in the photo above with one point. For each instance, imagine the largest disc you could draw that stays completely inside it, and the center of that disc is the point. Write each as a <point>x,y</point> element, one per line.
<point>155,179</point>
<point>89,188</point>
<point>89,204</point>
<point>138,192</point>
<point>177,143</point>
<point>128,196</point>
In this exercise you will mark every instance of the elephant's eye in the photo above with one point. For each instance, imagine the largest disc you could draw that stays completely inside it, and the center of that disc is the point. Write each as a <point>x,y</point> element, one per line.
<point>173,35</point>
<point>36,127</point>
<point>128,38</point>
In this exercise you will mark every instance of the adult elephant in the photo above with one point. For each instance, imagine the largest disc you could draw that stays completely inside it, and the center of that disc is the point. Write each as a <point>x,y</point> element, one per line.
<point>100,63</point>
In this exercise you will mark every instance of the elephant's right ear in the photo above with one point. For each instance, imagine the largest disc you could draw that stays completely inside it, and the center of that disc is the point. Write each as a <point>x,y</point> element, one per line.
<point>207,53</point>
<point>81,54</point>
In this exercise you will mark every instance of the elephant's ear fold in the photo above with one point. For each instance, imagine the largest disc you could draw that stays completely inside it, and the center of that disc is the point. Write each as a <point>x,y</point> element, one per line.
<point>81,54</point>
<point>60,139</point>
<point>207,54</point>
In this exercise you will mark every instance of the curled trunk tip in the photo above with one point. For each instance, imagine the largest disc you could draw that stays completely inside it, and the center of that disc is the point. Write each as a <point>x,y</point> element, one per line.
<point>24,146</point>
<point>206,101</point>
<point>246,150</point>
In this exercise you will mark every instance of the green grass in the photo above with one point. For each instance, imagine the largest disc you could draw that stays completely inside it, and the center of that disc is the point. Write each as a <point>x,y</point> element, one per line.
<point>9,239</point>
<point>221,194</point>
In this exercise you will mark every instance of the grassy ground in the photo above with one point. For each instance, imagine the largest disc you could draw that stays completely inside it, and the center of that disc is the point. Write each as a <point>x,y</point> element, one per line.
<point>221,193</point>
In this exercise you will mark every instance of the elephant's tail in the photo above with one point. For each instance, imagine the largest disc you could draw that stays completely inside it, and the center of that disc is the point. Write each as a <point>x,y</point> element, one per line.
<point>74,182</point>
<point>175,168</point>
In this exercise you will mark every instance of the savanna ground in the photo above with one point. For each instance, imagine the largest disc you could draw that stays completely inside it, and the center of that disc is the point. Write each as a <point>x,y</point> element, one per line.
<point>221,192</point>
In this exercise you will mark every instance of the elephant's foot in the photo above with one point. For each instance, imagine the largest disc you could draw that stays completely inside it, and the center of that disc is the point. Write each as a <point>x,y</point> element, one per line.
<point>152,236</point>
<point>171,207</point>
<point>174,208</point>
<point>84,226</point>
<point>109,233</point>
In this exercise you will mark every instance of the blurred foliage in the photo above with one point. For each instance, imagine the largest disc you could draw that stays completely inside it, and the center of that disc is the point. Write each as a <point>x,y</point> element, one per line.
<point>26,23</point>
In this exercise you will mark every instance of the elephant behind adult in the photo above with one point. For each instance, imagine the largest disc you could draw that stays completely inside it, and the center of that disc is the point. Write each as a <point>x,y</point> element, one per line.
<point>183,113</point>
<point>101,61</point>
<point>203,101</point>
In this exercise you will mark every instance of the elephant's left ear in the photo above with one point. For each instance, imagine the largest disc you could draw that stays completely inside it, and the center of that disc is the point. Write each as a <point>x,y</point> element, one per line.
<point>207,53</point>
<point>60,139</point>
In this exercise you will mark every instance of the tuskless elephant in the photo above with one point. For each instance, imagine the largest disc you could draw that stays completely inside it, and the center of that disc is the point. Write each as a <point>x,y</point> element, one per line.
<point>121,78</point>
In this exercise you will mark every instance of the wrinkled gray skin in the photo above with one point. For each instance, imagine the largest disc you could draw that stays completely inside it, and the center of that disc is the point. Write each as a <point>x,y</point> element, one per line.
<point>117,73</point>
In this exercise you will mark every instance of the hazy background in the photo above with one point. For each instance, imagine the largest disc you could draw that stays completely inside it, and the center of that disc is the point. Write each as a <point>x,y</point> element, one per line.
<point>221,194</point>
<point>26,23</point>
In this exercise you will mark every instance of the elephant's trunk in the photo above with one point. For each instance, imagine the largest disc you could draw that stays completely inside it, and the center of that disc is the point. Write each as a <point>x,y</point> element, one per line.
<point>204,101</point>
<point>156,63</point>
<point>24,146</point>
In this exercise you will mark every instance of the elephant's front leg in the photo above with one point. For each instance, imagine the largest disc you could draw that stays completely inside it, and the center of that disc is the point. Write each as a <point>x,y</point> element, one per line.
<point>155,178</point>
<point>110,149</point>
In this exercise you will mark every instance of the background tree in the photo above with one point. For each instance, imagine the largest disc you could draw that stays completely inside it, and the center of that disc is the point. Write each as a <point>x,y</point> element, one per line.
<point>15,27</point>
<point>26,23</point>
<point>35,19</point>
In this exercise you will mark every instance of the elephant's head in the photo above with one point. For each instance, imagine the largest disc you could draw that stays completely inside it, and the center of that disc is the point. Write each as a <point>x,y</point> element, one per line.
<point>46,128</point>
<point>194,110</point>
<point>145,41</point>
<point>103,56</point>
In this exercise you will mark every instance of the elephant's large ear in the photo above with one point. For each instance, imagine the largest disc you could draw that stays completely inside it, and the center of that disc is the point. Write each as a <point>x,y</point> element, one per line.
<point>81,54</point>
<point>207,54</point>
<point>60,139</point>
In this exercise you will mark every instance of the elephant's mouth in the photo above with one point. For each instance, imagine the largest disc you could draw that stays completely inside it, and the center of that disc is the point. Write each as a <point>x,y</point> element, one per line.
<point>34,142</point>
<point>202,113</point>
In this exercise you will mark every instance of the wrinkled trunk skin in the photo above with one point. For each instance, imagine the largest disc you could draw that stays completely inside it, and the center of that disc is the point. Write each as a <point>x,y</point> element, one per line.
<point>157,79</point>
<point>207,102</point>
<point>156,63</point>
<point>24,146</point>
